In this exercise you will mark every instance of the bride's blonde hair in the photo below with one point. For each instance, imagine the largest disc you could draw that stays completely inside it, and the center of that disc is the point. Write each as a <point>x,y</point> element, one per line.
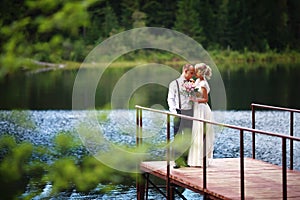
<point>204,70</point>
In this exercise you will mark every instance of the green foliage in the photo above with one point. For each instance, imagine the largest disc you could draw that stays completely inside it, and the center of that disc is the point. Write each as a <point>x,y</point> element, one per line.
<point>92,172</point>
<point>62,174</point>
<point>127,9</point>
<point>138,18</point>
<point>235,60</point>
<point>19,118</point>
<point>159,13</point>
<point>187,20</point>
<point>22,169</point>
<point>102,117</point>
<point>110,25</point>
<point>82,173</point>
<point>61,31</point>
<point>16,169</point>
<point>40,32</point>
<point>65,144</point>
<point>68,16</point>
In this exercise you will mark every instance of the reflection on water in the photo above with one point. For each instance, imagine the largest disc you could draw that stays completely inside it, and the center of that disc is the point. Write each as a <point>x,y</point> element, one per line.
<point>49,123</point>
<point>276,85</point>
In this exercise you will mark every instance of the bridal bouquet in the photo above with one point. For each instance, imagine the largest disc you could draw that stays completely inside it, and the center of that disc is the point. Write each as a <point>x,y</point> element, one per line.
<point>189,89</point>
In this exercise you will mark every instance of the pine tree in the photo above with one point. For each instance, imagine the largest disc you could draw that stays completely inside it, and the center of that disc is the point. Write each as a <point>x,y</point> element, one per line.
<point>159,13</point>
<point>187,20</point>
<point>293,7</point>
<point>127,8</point>
<point>110,25</point>
<point>139,19</point>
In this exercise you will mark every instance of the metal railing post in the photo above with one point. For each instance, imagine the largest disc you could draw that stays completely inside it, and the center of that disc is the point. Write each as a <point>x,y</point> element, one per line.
<point>169,193</point>
<point>242,171</point>
<point>140,181</point>
<point>253,133</point>
<point>141,126</point>
<point>204,156</point>
<point>292,141</point>
<point>137,127</point>
<point>284,179</point>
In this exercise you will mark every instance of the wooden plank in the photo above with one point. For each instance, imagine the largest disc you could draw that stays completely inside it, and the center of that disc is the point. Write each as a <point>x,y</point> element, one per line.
<point>262,180</point>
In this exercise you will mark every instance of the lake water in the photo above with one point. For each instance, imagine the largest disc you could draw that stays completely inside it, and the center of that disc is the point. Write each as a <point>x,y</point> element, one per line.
<point>49,123</point>
<point>273,85</point>
<point>48,97</point>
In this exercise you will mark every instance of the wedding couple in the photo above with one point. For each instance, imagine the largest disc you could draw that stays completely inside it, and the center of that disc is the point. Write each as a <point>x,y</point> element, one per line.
<point>189,151</point>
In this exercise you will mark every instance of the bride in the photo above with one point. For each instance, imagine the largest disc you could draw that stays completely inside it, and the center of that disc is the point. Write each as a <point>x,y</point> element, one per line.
<point>202,111</point>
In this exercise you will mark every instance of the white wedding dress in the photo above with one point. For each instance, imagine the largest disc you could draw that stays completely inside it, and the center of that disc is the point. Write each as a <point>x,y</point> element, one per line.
<point>202,111</point>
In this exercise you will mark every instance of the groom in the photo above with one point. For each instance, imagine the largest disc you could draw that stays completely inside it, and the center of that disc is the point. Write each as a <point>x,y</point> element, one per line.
<point>180,104</point>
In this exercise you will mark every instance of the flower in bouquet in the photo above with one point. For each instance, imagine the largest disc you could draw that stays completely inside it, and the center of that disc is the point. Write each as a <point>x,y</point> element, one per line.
<point>189,89</point>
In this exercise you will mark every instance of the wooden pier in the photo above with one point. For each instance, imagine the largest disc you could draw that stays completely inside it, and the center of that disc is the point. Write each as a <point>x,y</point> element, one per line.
<point>262,180</point>
<point>226,178</point>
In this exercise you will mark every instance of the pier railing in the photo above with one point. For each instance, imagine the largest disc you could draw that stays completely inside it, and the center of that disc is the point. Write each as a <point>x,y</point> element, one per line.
<point>242,131</point>
<point>255,106</point>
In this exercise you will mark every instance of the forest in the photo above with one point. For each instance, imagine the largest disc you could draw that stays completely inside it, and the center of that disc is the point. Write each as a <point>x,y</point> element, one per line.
<point>67,30</point>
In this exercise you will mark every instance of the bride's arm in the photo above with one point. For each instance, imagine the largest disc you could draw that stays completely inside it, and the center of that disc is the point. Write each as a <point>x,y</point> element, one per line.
<point>203,99</point>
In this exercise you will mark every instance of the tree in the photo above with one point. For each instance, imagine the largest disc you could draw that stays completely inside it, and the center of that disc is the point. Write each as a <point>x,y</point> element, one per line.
<point>269,22</point>
<point>187,20</point>
<point>211,19</point>
<point>128,7</point>
<point>237,25</point>
<point>159,13</point>
<point>293,7</point>
<point>278,25</point>
<point>44,31</point>
<point>222,29</point>
<point>110,25</point>
<point>139,19</point>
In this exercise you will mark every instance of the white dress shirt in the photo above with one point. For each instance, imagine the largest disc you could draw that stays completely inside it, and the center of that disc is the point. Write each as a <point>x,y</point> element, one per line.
<point>173,100</point>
